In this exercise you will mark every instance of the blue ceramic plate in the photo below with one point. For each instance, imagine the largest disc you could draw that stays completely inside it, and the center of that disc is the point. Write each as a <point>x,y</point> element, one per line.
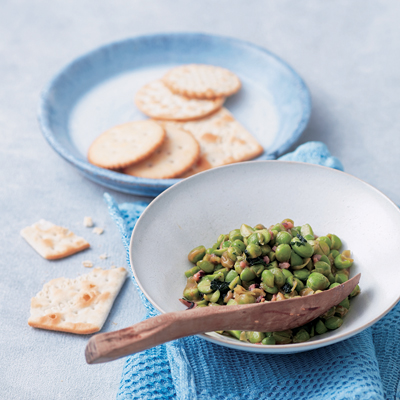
<point>95,92</point>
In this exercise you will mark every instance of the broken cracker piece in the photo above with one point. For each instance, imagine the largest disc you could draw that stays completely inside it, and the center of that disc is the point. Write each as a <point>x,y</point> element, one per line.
<point>87,264</point>
<point>88,222</point>
<point>103,256</point>
<point>51,241</point>
<point>98,230</point>
<point>78,305</point>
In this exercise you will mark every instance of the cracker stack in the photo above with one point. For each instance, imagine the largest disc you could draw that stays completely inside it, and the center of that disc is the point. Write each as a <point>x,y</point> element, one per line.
<point>190,131</point>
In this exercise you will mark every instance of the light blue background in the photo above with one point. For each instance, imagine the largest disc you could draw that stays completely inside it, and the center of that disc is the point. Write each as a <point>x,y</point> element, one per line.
<point>347,53</point>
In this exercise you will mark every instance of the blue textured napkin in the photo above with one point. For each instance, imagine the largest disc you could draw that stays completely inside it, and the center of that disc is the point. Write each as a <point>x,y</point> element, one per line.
<point>364,367</point>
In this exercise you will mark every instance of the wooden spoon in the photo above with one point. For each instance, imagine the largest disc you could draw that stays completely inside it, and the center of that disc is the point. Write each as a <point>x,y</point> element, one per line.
<point>262,317</point>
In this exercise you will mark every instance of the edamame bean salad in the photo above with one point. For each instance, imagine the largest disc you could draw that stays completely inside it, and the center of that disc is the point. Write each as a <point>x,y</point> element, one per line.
<point>258,264</point>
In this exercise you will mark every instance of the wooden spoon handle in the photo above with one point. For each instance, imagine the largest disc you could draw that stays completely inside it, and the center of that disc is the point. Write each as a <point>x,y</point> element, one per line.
<point>264,317</point>
<point>109,346</point>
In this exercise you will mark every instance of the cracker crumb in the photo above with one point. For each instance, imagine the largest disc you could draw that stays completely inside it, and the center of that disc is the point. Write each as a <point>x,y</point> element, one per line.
<point>98,230</point>
<point>113,266</point>
<point>103,256</point>
<point>87,264</point>
<point>88,222</point>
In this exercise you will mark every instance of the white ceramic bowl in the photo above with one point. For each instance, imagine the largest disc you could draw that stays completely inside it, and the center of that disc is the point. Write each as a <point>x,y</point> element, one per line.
<point>196,210</point>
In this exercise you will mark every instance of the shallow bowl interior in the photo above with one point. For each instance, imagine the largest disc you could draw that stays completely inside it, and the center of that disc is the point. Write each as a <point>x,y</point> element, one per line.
<point>195,211</point>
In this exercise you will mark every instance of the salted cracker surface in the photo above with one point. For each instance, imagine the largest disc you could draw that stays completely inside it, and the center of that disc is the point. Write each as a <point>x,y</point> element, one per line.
<point>202,81</point>
<point>222,139</point>
<point>52,241</point>
<point>178,153</point>
<point>157,101</point>
<point>126,144</point>
<point>78,305</point>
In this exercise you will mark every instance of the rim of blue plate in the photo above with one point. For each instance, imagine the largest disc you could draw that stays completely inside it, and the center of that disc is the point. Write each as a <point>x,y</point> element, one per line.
<point>44,111</point>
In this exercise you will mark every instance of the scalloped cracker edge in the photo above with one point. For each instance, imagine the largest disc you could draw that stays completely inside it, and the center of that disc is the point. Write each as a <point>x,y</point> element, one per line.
<point>156,100</point>
<point>78,305</point>
<point>202,81</point>
<point>53,242</point>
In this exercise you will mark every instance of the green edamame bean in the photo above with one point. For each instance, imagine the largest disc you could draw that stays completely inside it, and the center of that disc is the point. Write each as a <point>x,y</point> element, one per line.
<point>321,248</point>
<point>331,278</point>
<point>283,252</point>
<point>239,245</point>
<point>295,259</point>
<point>206,266</point>
<point>246,230</point>
<point>273,264</point>
<point>286,273</point>
<point>253,250</point>
<point>204,286</point>
<point>265,249</point>
<point>304,250</point>
<point>334,253</point>
<point>278,227</point>
<point>246,298</point>
<point>259,227</point>
<point>299,284</point>
<point>336,242</point>
<point>320,328</point>
<point>345,303</point>
<point>192,271</point>
<point>325,239</point>
<point>214,297</point>
<point>253,239</point>
<point>235,282</point>
<point>197,254</point>
<point>333,323</point>
<point>283,337</point>
<point>279,278</point>
<point>269,340</point>
<point>266,288</point>
<point>301,336</point>
<point>330,313</point>
<point>235,235</point>
<point>268,278</point>
<point>317,281</point>
<point>232,253</point>
<point>257,269</point>
<point>231,275</point>
<point>283,237</point>
<point>226,244</point>
<point>235,334</point>
<point>343,261</point>
<point>191,293</point>
<point>247,274</point>
<point>232,302</point>
<point>302,274</point>
<point>306,230</point>
<point>356,291</point>
<point>341,278</point>
<point>333,285</point>
<point>323,268</point>
<point>255,337</point>
<point>263,236</point>
<point>271,256</point>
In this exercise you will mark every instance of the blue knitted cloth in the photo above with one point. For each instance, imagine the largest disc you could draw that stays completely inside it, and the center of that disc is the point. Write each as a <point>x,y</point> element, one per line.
<point>364,367</point>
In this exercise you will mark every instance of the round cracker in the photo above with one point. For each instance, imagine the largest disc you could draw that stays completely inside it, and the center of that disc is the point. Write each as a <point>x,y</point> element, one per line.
<point>157,101</point>
<point>126,144</point>
<point>202,81</point>
<point>178,153</point>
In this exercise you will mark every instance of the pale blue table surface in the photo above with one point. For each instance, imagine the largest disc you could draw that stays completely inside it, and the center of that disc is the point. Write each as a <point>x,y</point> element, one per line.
<point>347,52</point>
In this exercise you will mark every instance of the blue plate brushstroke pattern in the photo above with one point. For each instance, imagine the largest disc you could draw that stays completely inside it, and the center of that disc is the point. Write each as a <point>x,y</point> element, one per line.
<point>259,69</point>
